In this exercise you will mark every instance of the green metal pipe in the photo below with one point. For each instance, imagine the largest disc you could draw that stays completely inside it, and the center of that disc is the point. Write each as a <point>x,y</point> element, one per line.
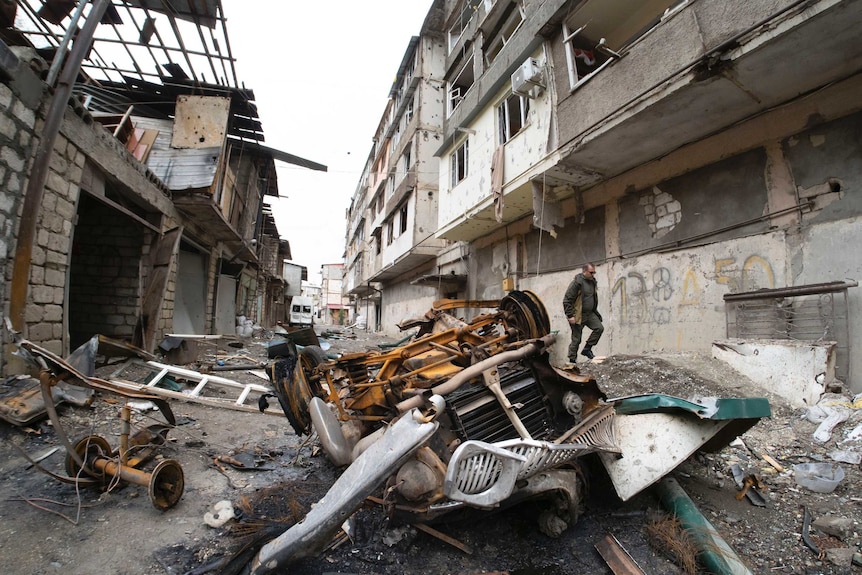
<point>714,551</point>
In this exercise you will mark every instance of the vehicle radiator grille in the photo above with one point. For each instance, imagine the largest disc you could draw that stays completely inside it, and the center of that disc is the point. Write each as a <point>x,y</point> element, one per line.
<point>484,474</point>
<point>478,415</point>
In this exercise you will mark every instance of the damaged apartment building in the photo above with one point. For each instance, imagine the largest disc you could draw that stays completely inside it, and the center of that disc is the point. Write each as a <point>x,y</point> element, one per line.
<point>696,151</point>
<point>134,175</point>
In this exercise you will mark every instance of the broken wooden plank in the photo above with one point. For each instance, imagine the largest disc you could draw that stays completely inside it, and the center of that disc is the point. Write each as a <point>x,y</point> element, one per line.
<point>617,558</point>
<point>768,459</point>
<point>445,538</point>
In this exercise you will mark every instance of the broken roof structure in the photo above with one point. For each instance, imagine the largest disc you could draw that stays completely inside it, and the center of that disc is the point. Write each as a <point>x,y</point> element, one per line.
<point>143,196</point>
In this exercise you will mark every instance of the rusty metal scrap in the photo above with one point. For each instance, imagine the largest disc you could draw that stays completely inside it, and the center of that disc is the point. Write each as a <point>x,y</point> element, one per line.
<point>504,421</point>
<point>91,460</point>
<point>466,413</point>
<point>617,558</point>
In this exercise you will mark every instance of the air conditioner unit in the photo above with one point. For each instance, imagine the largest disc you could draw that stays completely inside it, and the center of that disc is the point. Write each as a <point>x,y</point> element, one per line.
<point>526,77</point>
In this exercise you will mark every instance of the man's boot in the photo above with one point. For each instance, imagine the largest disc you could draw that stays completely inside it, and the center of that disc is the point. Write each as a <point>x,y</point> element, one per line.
<point>587,352</point>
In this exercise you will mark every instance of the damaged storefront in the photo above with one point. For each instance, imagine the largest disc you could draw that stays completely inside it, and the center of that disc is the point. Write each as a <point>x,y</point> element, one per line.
<point>142,200</point>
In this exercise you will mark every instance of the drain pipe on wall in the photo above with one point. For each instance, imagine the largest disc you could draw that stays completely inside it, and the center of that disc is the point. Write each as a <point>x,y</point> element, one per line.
<point>39,172</point>
<point>713,551</point>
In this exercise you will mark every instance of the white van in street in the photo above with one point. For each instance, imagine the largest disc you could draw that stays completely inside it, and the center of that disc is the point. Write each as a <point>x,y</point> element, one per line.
<point>301,311</point>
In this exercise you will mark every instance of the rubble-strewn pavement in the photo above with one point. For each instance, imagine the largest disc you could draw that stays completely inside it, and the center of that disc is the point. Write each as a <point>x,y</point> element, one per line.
<point>48,527</point>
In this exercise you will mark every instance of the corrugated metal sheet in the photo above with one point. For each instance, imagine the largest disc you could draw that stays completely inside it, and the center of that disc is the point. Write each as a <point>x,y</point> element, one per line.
<point>185,169</point>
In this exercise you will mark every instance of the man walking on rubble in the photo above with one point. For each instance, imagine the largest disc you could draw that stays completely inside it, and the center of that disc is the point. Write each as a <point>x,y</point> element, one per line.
<point>581,307</point>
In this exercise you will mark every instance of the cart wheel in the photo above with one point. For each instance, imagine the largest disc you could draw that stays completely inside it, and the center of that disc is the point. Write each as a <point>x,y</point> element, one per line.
<point>88,448</point>
<point>166,484</point>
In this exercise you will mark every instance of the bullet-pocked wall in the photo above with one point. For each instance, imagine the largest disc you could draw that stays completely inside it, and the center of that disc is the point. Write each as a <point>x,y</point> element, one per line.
<point>716,202</point>
<point>580,240</point>
<point>728,213</point>
<point>663,287</point>
<point>826,165</point>
<point>403,300</point>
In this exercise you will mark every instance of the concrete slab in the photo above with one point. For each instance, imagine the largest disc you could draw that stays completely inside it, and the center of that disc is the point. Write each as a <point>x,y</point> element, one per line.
<point>798,371</point>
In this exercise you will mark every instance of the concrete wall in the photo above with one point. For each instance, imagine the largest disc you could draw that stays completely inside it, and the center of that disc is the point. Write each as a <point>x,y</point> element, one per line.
<point>668,302</point>
<point>672,299</point>
<point>403,301</point>
<point>702,25</point>
<point>577,243</point>
<point>684,207</point>
<point>522,152</point>
<point>826,167</point>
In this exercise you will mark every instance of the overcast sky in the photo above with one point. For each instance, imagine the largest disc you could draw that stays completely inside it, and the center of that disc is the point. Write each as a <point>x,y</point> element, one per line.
<point>321,75</point>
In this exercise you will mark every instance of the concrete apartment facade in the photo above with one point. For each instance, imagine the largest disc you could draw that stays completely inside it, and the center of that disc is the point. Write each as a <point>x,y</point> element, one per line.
<point>690,150</point>
<point>391,253</point>
<point>334,305</point>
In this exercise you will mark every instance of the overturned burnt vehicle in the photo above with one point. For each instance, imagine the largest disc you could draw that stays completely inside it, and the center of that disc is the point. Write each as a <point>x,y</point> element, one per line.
<point>472,414</point>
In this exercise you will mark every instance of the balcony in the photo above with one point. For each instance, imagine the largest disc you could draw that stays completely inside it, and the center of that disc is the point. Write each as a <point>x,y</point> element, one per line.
<point>656,99</point>
<point>704,68</point>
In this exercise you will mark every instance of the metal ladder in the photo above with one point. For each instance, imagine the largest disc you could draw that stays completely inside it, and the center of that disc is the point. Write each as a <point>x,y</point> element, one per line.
<point>195,396</point>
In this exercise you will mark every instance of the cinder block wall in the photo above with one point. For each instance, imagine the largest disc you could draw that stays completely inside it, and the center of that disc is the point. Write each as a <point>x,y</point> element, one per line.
<point>49,266</point>
<point>20,98</point>
<point>104,282</point>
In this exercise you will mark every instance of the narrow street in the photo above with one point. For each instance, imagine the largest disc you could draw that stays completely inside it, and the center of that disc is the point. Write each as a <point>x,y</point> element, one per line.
<point>122,532</point>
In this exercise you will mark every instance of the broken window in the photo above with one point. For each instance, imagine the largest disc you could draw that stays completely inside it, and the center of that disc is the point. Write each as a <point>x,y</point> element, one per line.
<point>596,33</point>
<point>582,58</point>
<point>500,37</point>
<point>376,237</point>
<point>465,14</point>
<point>406,159</point>
<point>390,231</point>
<point>512,116</point>
<point>402,218</point>
<point>462,82</point>
<point>358,268</point>
<point>458,164</point>
<point>408,112</point>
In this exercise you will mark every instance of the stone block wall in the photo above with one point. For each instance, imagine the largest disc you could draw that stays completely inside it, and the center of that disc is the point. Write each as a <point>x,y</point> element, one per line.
<point>104,286</point>
<point>20,98</point>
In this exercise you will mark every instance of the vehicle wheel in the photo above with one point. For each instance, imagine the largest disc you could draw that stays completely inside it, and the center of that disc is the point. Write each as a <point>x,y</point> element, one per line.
<point>88,448</point>
<point>529,315</point>
<point>296,383</point>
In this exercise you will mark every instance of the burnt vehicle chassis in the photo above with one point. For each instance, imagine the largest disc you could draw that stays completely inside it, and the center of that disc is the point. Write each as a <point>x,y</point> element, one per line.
<point>467,414</point>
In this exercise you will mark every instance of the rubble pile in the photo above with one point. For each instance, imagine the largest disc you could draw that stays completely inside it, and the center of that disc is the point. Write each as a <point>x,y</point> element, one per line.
<point>769,537</point>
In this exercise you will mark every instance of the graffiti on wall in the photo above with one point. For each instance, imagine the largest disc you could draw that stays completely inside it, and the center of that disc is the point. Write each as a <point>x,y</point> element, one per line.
<point>658,296</point>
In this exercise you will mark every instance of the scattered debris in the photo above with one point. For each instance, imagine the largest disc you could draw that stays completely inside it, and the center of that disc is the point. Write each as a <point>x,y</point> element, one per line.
<point>444,538</point>
<point>750,486</point>
<point>831,410</point>
<point>221,513</point>
<point>667,535</point>
<point>472,414</point>
<point>818,476</point>
<point>846,456</point>
<point>840,527</point>
<point>245,461</point>
<point>806,534</point>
